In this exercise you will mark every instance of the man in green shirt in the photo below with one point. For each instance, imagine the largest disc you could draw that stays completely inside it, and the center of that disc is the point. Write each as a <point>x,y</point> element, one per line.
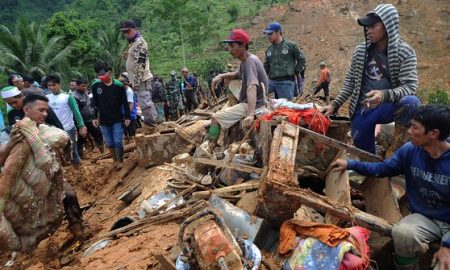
<point>283,64</point>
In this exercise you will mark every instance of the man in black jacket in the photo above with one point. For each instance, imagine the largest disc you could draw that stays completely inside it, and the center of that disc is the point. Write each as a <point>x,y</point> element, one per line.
<point>109,101</point>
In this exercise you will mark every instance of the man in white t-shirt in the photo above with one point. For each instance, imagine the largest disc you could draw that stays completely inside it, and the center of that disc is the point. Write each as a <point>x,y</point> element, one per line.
<point>66,108</point>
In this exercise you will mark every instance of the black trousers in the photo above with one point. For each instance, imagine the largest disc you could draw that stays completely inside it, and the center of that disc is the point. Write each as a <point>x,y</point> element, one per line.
<point>95,133</point>
<point>191,100</point>
<point>71,206</point>
<point>324,86</point>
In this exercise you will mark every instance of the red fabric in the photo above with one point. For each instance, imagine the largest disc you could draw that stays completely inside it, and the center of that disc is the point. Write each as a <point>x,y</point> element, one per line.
<point>359,239</point>
<point>313,118</point>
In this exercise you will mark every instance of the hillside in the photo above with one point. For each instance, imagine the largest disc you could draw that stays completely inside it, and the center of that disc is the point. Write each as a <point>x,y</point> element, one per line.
<point>327,31</point>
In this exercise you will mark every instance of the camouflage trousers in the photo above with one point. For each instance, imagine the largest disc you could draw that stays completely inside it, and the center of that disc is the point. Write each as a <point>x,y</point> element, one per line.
<point>144,98</point>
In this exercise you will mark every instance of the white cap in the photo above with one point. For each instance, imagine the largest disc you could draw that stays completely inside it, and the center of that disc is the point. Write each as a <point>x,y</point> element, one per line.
<point>10,91</point>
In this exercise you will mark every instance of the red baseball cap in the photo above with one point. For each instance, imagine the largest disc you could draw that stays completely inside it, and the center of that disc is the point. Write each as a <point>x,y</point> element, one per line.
<point>238,35</point>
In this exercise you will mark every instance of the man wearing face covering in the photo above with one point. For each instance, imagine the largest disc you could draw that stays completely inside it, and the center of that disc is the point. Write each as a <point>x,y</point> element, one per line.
<point>138,68</point>
<point>109,100</point>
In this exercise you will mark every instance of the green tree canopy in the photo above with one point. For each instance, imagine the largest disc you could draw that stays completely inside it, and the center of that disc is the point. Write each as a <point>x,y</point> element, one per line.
<point>28,51</point>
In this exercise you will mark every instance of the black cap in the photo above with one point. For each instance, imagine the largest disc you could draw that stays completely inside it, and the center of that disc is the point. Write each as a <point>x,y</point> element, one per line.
<point>127,24</point>
<point>369,20</point>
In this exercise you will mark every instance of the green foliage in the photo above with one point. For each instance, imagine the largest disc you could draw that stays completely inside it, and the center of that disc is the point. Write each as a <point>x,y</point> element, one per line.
<point>111,49</point>
<point>77,34</point>
<point>233,11</point>
<point>28,51</point>
<point>179,32</point>
<point>36,11</point>
<point>439,95</point>
<point>434,94</point>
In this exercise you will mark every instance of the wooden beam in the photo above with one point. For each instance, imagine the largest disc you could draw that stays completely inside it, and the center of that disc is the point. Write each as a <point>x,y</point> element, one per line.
<point>254,184</point>
<point>378,190</point>
<point>223,164</point>
<point>348,213</point>
<point>319,138</point>
<point>337,188</point>
<point>158,219</point>
<point>282,154</point>
<point>165,262</point>
<point>207,114</point>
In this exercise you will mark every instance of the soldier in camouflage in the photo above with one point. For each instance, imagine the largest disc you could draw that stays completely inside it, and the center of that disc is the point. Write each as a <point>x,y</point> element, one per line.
<point>173,96</point>
<point>138,68</point>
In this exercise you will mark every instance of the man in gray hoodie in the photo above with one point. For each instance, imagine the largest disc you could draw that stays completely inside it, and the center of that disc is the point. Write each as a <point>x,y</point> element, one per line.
<point>381,81</point>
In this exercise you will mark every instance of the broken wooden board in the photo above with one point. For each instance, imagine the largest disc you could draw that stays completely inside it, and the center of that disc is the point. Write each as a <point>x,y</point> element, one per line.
<point>338,130</point>
<point>282,154</point>
<point>229,165</point>
<point>337,188</point>
<point>265,138</point>
<point>155,149</point>
<point>272,205</point>
<point>324,204</point>
<point>248,202</point>
<point>377,190</point>
<point>319,138</point>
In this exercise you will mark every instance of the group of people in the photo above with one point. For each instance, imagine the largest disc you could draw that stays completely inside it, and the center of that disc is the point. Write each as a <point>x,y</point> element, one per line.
<point>380,84</point>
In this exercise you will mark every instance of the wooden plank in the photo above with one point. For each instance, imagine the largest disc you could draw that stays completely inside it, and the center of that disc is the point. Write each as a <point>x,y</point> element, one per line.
<point>165,262</point>
<point>324,204</point>
<point>378,190</point>
<point>222,164</point>
<point>198,113</point>
<point>282,154</point>
<point>337,188</point>
<point>248,202</point>
<point>265,136</point>
<point>319,138</point>
<point>244,186</point>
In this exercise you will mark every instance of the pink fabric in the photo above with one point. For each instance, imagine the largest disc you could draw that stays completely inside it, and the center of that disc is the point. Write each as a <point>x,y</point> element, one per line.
<point>359,239</point>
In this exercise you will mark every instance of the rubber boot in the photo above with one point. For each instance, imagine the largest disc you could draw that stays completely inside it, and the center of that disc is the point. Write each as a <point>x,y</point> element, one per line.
<point>408,263</point>
<point>400,138</point>
<point>411,266</point>
<point>119,154</point>
<point>77,230</point>
<point>101,148</point>
<point>327,100</point>
<point>112,151</point>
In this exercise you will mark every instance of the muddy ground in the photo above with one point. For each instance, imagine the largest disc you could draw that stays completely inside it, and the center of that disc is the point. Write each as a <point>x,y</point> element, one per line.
<point>97,187</point>
<point>327,31</point>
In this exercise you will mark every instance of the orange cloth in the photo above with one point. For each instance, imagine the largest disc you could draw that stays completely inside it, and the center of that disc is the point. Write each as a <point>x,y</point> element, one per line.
<point>327,233</point>
<point>317,121</point>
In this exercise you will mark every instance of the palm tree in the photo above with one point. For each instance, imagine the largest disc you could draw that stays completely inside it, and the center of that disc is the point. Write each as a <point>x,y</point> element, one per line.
<point>28,51</point>
<point>112,47</point>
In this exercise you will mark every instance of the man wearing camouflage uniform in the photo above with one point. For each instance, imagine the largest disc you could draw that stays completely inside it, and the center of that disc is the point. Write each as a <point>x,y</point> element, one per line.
<point>138,68</point>
<point>173,96</point>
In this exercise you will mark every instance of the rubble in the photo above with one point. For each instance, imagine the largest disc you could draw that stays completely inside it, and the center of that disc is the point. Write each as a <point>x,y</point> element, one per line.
<point>274,173</point>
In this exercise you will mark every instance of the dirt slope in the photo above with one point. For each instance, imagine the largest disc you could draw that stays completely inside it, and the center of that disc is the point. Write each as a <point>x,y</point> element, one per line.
<point>327,31</point>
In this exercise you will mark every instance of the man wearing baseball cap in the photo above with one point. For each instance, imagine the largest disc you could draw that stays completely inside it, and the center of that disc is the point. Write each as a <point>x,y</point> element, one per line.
<point>254,80</point>
<point>283,63</point>
<point>138,69</point>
